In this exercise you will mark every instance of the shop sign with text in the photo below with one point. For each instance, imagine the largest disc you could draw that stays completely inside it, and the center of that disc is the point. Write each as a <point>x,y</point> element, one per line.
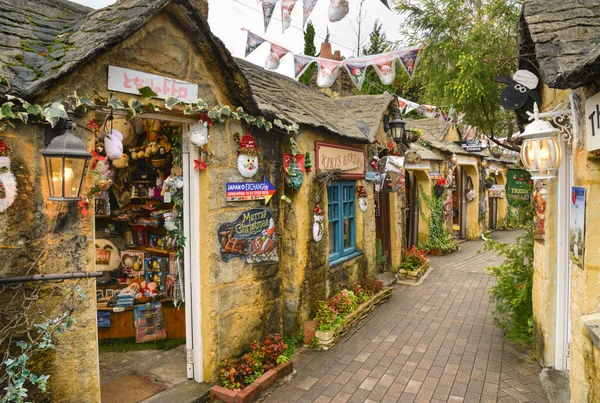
<point>129,81</point>
<point>351,161</point>
<point>592,122</point>
<point>472,145</point>
<point>245,191</point>
<point>251,237</point>
<point>518,187</point>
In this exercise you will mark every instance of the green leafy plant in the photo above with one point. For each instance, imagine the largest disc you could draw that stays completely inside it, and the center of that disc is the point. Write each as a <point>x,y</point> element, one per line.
<point>326,318</point>
<point>438,238</point>
<point>343,302</point>
<point>512,293</point>
<point>380,258</point>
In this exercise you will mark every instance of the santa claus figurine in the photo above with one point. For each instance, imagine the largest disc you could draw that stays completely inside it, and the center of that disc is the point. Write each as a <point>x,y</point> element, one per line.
<point>247,156</point>
<point>326,78</point>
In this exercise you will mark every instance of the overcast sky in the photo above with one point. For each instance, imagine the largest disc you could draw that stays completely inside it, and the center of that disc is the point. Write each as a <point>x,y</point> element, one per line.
<point>228,17</point>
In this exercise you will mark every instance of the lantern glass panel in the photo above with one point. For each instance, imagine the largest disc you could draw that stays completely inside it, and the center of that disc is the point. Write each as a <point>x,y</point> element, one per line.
<point>541,154</point>
<point>54,171</point>
<point>74,170</point>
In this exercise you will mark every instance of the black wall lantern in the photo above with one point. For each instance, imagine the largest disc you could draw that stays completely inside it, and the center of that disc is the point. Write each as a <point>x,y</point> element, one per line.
<point>66,160</point>
<point>396,126</point>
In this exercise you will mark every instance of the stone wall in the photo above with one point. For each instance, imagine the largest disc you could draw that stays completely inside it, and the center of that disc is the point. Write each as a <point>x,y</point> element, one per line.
<point>42,237</point>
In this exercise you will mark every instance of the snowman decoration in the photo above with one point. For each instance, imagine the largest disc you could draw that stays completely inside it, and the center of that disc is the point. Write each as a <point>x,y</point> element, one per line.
<point>362,198</point>
<point>8,184</point>
<point>199,134</point>
<point>318,229</point>
<point>247,156</point>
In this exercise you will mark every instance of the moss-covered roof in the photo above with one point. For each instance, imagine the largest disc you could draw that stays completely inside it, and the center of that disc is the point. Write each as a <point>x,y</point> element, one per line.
<point>565,37</point>
<point>355,117</point>
<point>42,41</point>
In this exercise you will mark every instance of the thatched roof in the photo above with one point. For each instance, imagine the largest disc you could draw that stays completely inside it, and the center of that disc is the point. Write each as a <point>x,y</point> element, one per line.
<point>42,41</point>
<point>565,37</point>
<point>355,117</point>
<point>433,131</point>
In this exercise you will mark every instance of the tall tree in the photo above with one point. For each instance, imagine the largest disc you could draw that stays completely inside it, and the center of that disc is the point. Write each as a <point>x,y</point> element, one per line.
<point>377,40</point>
<point>309,50</point>
<point>327,35</point>
<point>469,44</point>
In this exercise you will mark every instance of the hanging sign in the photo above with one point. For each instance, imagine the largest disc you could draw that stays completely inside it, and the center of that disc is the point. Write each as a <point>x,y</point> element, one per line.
<point>352,161</point>
<point>496,191</point>
<point>129,81</point>
<point>245,191</point>
<point>518,187</point>
<point>520,87</point>
<point>251,237</point>
<point>592,122</point>
<point>472,145</point>
<point>577,227</point>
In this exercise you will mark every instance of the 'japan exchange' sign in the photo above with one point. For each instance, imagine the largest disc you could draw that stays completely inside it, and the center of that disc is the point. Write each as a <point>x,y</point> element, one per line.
<point>351,160</point>
<point>129,81</point>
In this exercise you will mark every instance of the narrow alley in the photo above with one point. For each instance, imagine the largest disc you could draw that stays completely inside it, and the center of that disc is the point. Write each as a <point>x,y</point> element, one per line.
<point>431,343</point>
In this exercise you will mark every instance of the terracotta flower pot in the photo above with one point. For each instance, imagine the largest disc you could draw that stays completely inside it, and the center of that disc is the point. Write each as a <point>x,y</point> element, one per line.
<point>310,328</point>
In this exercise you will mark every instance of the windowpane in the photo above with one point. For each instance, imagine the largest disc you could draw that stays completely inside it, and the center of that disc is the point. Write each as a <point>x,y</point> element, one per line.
<point>332,237</point>
<point>341,212</point>
<point>347,233</point>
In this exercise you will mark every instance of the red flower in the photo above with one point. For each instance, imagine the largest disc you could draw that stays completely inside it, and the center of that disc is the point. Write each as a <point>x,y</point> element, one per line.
<point>441,182</point>
<point>199,164</point>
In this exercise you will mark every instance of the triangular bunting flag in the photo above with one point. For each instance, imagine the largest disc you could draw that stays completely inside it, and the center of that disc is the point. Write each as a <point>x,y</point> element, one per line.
<point>308,8</point>
<point>408,59</point>
<point>253,42</point>
<point>385,3</point>
<point>356,69</point>
<point>328,72</point>
<point>386,68</point>
<point>407,106</point>
<point>268,6</point>
<point>286,13</point>
<point>301,63</point>
<point>277,52</point>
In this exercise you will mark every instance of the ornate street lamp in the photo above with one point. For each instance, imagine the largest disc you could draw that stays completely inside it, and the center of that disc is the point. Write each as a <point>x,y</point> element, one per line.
<point>454,159</point>
<point>540,152</point>
<point>66,160</point>
<point>484,163</point>
<point>396,126</point>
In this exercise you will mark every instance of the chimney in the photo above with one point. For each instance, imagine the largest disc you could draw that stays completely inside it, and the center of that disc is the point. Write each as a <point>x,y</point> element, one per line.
<point>337,55</point>
<point>325,50</point>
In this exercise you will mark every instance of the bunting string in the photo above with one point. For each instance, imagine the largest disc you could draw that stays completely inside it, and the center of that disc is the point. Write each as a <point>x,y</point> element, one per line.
<point>328,70</point>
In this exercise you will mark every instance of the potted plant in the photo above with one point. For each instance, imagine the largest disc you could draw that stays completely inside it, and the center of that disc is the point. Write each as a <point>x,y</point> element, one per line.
<point>413,135</point>
<point>414,266</point>
<point>497,151</point>
<point>439,187</point>
<point>489,182</point>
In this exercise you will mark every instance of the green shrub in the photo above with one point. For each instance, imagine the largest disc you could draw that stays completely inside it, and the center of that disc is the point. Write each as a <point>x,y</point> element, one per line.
<point>438,238</point>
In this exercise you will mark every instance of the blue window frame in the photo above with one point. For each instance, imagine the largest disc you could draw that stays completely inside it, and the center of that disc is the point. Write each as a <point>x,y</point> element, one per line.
<point>341,212</point>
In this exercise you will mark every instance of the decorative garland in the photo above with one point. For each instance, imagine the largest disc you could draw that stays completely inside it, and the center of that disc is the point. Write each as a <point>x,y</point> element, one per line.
<point>18,109</point>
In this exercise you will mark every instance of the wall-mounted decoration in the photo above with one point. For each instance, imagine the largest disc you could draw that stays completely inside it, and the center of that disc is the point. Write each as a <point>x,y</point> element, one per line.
<point>247,155</point>
<point>318,229</point>
<point>8,184</point>
<point>350,160</point>
<point>251,237</point>
<point>307,162</point>
<point>577,230</point>
<point>391,174</point>
<point>496,191</point>
<point>448,211</point>
<point>539,215</point>
<point>362,198</point>
<point>293,166</point>
<point>521,86</point>
<point>518,187</point>
<point>245,191</point>
<point>199,133</point>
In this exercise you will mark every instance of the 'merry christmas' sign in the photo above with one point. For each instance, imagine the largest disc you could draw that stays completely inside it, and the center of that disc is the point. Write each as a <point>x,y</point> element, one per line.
<point>518,187</point>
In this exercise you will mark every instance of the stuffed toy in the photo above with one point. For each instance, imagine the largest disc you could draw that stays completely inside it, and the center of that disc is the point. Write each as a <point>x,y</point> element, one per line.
<point>113,144</point>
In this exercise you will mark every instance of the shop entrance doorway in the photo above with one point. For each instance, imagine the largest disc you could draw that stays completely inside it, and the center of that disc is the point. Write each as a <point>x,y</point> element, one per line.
<point>459,202</point>
<point>493,219</point>
<point>382,227</point>
<point>148,299</point>
<point>412,209</point>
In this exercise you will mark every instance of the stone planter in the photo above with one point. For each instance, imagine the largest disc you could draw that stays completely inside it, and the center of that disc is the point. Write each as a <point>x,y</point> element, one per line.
<point>412,276</point>
<point>251,393</point>
<point>326,340</point>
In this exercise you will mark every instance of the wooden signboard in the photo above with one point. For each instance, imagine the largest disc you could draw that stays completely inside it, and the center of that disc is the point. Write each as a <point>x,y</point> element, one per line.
<point>351,160</point>
<point>592,122</point>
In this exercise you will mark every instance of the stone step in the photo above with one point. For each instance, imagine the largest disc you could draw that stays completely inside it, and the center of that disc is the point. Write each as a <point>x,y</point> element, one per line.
<point>388,278</point>
<point>185,392</point>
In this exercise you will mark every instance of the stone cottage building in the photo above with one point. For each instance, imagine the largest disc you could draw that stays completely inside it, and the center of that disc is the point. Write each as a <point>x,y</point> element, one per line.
<point>51,49</point>
<point>558,43</point>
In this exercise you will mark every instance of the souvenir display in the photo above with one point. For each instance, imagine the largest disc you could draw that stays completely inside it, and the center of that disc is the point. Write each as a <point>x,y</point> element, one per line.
<point>149,323</point>
<point>8,184</point>
<point>391,174</point>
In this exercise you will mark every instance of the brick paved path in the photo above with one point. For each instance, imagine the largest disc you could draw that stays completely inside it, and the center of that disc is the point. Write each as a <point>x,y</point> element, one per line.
<point>432,343</point>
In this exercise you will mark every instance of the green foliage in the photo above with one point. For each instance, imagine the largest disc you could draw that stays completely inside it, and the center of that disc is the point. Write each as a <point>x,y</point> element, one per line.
<point>512,293</point>
<point>469,44</point>
<point>380,258</point>
<point>326,317</point>
<point>414,259</point>
<point>517,218</point>
<point>377,41</point>
<point>309,50</point>
<point>438,237</point>
<point>327,35</point>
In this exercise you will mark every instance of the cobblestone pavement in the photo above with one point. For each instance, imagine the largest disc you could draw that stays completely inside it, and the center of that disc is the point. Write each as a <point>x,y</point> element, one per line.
<point>433,343</point>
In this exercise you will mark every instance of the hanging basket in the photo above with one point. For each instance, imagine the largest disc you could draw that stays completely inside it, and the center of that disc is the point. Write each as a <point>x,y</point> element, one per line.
<point>438,191</point>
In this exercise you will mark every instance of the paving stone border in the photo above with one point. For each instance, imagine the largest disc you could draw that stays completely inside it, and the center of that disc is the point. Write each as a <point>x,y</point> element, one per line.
<point>251,393</point>
<point>326,340</point>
